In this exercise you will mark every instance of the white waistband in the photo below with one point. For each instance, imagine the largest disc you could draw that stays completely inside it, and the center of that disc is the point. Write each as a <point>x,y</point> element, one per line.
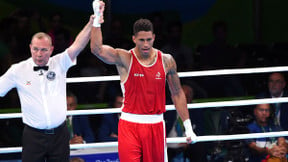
<point>137,118</point>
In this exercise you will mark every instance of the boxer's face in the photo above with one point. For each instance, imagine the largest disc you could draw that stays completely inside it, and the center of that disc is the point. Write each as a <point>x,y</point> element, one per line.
<point>41,50</point>
<point>144,41</point>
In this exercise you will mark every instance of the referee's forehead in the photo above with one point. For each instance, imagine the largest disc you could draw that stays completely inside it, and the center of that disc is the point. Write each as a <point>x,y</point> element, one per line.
<point>41,36</point>
<point>42,42</point>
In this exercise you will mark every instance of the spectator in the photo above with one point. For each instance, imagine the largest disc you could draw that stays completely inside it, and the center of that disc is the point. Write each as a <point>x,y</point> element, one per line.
<point>183,151</point>
<point>158,20</point>
<point>56,24</point>
<point>77,159</point>
<point>182,54</point>
<point>8,26</point>
<point>78,125</point>
<point>270,147</point>
<point>219,55</point>
<point>108,130</point>
<point>116,37</point>
<point>5,54</point>
<point>20,37</point>
<point>62,40</point>
<point>276,88</point>
<point>197,151</point>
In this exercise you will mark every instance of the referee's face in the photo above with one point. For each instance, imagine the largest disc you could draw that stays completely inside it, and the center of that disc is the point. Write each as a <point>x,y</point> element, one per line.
<point>41,50</point>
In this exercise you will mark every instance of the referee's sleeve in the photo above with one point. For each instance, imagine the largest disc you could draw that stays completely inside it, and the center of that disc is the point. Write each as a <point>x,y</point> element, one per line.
<point>7,82</point>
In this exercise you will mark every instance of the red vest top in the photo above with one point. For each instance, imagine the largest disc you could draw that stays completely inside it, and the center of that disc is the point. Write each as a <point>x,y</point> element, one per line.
<point>144,88</point>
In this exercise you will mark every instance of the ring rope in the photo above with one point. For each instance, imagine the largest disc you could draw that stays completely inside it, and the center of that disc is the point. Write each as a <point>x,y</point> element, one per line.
<point>171,107</point>
<point>168,107</point>
<point>169,140</point>
<point>189,74</point>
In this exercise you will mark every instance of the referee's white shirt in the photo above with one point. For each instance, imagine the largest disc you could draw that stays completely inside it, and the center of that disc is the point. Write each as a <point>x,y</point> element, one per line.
<point>42,93</point>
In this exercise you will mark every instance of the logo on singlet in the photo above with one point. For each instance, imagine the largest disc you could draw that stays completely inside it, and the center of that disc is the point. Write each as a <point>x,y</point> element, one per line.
<point>138,75</point>
<point>28,82</point>
<point>158,75</point>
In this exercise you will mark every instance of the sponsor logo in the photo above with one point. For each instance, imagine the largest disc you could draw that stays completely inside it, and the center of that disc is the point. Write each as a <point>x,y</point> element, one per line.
<point>138,75</point>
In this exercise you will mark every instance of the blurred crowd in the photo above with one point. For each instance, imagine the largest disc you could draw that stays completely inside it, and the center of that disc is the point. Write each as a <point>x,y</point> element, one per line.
<point>16,31</point>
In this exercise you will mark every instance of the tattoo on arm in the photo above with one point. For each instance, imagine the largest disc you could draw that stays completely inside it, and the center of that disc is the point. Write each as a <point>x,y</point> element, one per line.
<point>172,76</point>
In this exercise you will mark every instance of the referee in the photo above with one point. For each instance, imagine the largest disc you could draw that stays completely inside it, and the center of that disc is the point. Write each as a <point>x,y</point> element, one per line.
<point>41,85</point>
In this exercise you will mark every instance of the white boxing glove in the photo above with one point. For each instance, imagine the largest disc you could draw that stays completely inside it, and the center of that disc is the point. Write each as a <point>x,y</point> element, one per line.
<point>189,130</point>
<point>96,9</point>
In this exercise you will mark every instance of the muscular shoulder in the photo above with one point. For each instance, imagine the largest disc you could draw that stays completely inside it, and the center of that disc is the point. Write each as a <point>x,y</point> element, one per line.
<point>169,62</point>
<point>167,56</point>
<point>122,52</point>
<point>123,62</point>
<point>124,56</point>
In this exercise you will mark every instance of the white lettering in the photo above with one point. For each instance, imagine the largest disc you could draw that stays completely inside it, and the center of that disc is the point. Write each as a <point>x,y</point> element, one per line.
<point>138,75</point>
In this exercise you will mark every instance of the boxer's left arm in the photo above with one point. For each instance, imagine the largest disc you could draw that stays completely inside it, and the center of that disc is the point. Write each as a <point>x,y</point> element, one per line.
<point>178,96</point>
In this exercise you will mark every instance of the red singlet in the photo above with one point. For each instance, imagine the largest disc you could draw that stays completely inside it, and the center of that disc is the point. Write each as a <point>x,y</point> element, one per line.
<point>144,88</point>
<point>141,131</point>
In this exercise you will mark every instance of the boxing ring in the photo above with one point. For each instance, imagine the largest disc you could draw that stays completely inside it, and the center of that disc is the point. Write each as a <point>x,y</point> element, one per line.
<point>102,145</point>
